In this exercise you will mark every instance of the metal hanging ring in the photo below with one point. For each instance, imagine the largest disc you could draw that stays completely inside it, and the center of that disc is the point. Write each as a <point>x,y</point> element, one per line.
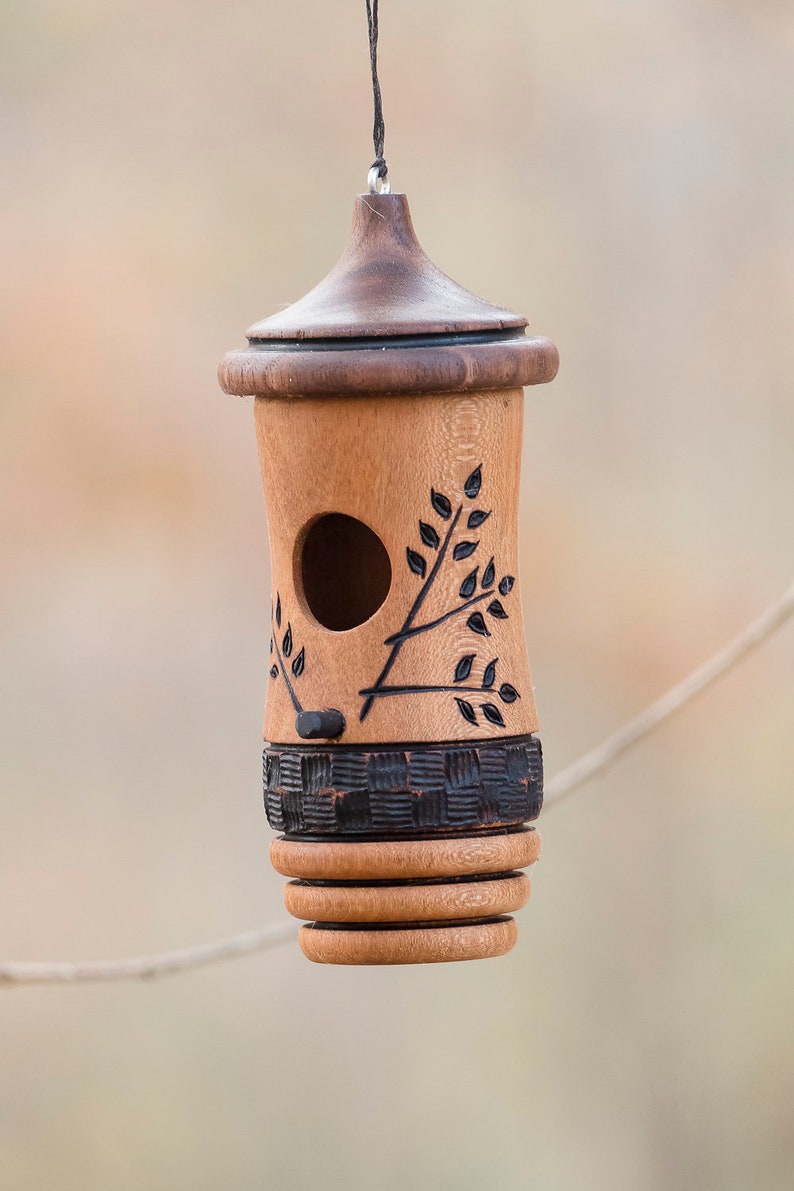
<point>376,184</point>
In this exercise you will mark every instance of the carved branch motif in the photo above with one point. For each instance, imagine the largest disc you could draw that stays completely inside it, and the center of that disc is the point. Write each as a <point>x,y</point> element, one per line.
<point>419,563</point>
<point>286,650</point>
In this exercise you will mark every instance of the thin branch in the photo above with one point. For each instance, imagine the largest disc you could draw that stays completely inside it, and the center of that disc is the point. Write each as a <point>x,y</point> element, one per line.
<point>589,766</point>
<point>405,634</point>
<point>417,604</point>
<point>148,967</point>
<point>605,754</point>
<point>296,703</point>
<point>384,691</point>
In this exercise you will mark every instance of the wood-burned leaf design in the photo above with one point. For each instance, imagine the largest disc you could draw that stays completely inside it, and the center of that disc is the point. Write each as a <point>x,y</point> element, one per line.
<point>286,644</point>
<point>469,585</point>
<point>271,644</point>
<point>495,608</point>
<point>299,664</point>
<point>274,671</point>
<point>278,612</point>
<point>493,714</point>
<point>463,668</point>
<point>488,575</point>
<point>416,562</point>
<point>473,484</point>
<point>466,710</point>
<point>429,535</point>
<point>489,675</point>
<point>508,693</point>
<point>506,585</point>
<point>477,624</point>
<point>464,550</point>
<point>441,504</point>
<point>477,517</point>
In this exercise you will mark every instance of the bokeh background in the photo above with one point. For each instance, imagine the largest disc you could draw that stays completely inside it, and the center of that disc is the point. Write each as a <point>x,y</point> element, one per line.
<point>622,172</point>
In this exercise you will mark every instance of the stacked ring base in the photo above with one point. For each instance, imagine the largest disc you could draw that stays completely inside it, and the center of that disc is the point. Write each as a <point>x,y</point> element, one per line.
<point>407,901</point>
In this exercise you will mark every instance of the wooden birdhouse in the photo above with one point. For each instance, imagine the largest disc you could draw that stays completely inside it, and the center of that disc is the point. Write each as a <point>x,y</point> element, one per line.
<point>401,764</point>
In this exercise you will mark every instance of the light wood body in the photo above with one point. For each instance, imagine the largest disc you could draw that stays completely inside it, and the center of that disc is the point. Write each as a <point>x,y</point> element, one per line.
<point>377,459</point>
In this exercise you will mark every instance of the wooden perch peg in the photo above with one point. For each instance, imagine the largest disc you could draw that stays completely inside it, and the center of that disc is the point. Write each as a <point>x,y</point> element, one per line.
<point>402,758</point>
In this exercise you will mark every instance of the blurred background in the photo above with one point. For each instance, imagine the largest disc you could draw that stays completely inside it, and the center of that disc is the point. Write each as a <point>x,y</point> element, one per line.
<point>622,172</point>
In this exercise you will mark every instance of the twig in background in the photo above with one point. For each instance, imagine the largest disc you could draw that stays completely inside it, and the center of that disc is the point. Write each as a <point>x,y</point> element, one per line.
<point>601,757</point>
<point>589,766</point>
<point>148,967</point>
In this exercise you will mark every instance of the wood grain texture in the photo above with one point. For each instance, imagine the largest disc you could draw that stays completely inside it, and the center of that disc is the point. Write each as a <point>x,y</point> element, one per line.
<point>387,320</point>
<point>384,284</point>
<point>409,945</point>
<point>385,463</point>
<point>372,860</point>
<point>407,903</point>
<point>391,368</point>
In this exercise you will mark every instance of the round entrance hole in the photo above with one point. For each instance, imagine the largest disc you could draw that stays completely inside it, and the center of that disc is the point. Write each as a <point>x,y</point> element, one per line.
<point>345,571</point>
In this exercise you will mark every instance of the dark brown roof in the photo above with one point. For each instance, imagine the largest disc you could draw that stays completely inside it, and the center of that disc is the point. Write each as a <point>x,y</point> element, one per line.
<point>384,284</point>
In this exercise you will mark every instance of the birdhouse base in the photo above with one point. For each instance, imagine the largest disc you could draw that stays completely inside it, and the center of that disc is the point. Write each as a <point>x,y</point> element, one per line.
<point>403,901</point>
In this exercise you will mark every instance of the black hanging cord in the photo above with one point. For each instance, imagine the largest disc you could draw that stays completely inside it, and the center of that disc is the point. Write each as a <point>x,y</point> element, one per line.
<point>378,127</point>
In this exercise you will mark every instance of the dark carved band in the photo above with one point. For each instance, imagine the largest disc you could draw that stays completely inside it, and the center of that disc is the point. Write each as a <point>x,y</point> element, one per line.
<point>313,791</point>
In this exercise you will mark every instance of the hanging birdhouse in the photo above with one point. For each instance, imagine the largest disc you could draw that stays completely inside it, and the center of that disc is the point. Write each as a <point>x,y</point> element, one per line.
<point>401,764</point>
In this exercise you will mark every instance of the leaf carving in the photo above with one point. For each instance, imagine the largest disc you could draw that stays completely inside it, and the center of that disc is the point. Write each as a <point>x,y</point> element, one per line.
<point>506,585</point>
<point>286,644</point>
<point>473,484</point>
<point>467,711</point>
<point>274,671</point>
<point>477,517</point>
<point>299,664</point>
<point>489,675</point>
<point>492,713</point>
<point>495,608</point>
<point>463,668</point>
<point>469,585</point>
<point>429,535</point>
<point>416,562</point>
<point>488,575</point>
<point>271,644</point>
<point>477,624</point>
<point>464,550</point>
<point>278,611</point>
<point>508,693</point>
<point>441,504</point>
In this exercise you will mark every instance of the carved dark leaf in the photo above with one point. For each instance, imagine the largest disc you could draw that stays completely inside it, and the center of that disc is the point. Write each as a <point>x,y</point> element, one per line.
<point>488,575</point>
<point>274,671</point>
<point>286,644</point>
<point>477,517</point>
<point>278,612</point>
<point>469,585</point>
<point>492,713</point>
<point>473,484</point>
<point>299,664</point>
<point>506,585</point>
<point>441,504</point>
<point>466,710</point>
<point>416,562</point>
<point>464,550</point>
<point>271,644</point>
<point>489,675</point>
<point>428,535</point>
<point>463,668</point>
<point>477,624</point>
<point>508,693</point>
<point>495,608</point>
